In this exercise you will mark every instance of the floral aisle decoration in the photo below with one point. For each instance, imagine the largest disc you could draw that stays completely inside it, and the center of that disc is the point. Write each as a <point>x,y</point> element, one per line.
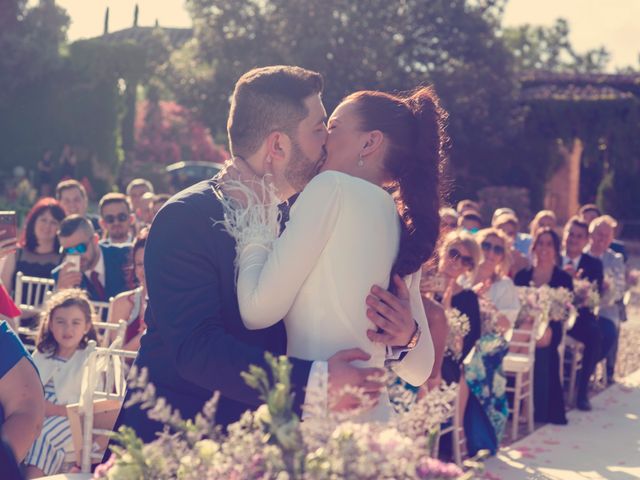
<point>272,443</point>
<point>586,294</point>
<point>459,326</point>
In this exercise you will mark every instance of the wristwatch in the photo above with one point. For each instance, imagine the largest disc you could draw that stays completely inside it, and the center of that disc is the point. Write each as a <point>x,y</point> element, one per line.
<point>413,341</point>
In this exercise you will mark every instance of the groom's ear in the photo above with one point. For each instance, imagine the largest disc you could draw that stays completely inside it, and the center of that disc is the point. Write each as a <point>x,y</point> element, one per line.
<point>373,142</point>
<point>278,146</point>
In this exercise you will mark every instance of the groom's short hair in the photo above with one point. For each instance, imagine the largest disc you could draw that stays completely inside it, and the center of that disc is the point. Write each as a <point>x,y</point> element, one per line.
<point>269,99</point>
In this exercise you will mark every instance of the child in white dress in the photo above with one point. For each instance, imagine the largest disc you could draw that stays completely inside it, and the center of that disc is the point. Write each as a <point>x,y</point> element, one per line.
<point>65,330</point>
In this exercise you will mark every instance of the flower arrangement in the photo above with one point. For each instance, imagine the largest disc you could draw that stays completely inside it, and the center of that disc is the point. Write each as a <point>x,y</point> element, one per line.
<point>272,443</point>
<point>541,305</point>
<point>459,326</point>
<point>585,294</point>
<point>561,307</point>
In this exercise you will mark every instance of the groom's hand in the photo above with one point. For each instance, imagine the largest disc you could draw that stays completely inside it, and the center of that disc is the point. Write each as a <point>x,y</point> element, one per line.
<point>343,376</point>
<point>391,314</point>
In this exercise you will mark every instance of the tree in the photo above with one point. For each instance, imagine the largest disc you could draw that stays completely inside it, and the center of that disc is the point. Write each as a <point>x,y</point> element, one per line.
<point>549,49</point>
<point>369,44</point>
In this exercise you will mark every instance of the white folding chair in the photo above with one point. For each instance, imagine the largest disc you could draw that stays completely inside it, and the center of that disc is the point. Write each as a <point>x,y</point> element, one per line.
<point>520,366</point>
<point>33,291</point>
<point>456,428</point>
<point>103,391</point>
<point>104,331</point>
<point>102,309</point>
<point>571,364</point>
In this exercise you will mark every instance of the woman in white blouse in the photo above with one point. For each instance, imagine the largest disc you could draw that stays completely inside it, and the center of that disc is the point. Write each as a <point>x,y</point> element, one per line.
<point>346,231</point>
<point>492,280</point>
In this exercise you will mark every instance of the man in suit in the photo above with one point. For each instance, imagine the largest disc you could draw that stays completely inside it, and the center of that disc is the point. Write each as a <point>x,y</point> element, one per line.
<point>586,329</point>
<point>196,343</point>
<point>104,269</point>
<point>601,233</point>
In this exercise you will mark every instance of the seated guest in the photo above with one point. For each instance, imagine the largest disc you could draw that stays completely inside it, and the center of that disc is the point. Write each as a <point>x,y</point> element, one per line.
<point>543,219</point>
<point>484,374</point>
<point>116,219</point>
<point>130,305</point>
<point>467,205</point>
<point>508,223</point>
<point>158,201</point>
<point>589,213</point>
<point>65,331</point>
<point>103,268</point>
<point>21,397</point>
<point>459,256</point>
<point>470,221</point>
<point>601,231</point>
<point>38,249</point>
<point>548,397</point>
<point>586,329</point>
<point>521,240</point>
<point>74,200</point>
<point>448,220</point>
<point>136,189</point>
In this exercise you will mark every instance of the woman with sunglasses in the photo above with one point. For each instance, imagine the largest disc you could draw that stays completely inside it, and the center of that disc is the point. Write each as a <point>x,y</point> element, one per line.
<point>547,388</point>
<point>459,257</point>
<point>38,249</point>
<point>499,297</point>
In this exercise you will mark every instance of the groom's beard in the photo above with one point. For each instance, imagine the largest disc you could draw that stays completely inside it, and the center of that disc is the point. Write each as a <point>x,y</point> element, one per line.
<point>302,169</point>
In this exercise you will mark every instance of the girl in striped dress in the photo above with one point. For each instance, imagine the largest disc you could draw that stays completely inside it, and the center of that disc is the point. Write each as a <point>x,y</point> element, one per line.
<point>65,330</point>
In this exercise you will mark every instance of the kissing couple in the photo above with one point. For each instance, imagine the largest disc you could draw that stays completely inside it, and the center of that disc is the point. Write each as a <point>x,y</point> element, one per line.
<point>332,282</point>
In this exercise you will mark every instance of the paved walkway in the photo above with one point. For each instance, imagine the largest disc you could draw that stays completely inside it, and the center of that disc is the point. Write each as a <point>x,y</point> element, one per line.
<point>603,444</point>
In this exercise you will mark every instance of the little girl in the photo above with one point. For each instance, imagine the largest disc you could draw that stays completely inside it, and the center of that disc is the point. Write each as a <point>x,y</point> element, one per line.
<point>65,330</point>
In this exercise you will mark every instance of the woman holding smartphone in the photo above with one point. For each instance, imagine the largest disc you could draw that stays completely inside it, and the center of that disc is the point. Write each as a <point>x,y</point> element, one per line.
<point>38,249</point>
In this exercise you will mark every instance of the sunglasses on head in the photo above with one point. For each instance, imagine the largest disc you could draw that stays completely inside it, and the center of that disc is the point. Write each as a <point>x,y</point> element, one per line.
<point>467,261</point>
<point>76,250</point>
<point>121,217</point>
<point>488,246</point>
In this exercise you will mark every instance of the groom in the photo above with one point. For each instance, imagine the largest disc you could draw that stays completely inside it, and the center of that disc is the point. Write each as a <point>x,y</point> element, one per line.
<point>196,343</point>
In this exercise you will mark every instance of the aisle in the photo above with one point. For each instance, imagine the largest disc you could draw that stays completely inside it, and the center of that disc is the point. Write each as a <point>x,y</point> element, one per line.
<point>603,444</point>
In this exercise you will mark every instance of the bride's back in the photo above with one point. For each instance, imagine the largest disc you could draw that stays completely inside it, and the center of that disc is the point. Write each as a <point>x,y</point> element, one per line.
<point>329,312</point>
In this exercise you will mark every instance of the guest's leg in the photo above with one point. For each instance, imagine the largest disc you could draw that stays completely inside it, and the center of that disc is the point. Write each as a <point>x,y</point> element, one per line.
<point>608,332</point>
<point>587,331</point>
<point>612,355</point>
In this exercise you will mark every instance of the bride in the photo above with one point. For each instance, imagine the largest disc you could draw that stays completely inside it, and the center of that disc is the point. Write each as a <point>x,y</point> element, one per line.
<point>370,215</point>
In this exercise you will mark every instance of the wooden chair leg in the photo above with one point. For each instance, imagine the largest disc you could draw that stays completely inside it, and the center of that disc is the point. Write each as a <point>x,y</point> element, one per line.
<point>455,435</point>
<point>517,398</point>
<point>530,422</point>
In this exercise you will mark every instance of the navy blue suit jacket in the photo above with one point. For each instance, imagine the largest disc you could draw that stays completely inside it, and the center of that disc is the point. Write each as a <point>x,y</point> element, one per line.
<point>117,267</point>
<point>195,342</point>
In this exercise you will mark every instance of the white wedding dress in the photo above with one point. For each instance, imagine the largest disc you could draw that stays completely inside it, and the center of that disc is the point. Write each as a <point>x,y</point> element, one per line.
<point>342,237</point>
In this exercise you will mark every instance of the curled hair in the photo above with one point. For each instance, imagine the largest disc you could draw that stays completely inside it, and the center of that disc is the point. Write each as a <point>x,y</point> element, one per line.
<point>29,240</point>
<point>557,243</point>
<point>504,266</point>
<point>414,127</point>
<point>535,223</point>
<point>465,239</point>
<point>70,297</point>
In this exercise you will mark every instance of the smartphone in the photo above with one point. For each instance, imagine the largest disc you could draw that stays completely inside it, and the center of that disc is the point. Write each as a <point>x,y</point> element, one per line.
<point>8,226</point>
<point>434,283</point>
<point>74,261</point>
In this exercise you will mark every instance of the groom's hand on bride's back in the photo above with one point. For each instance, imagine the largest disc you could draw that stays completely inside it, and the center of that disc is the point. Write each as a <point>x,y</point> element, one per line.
<point>344,377</point>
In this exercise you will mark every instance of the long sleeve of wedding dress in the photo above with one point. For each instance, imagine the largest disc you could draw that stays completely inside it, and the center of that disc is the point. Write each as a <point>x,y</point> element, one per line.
<point>270,272</point>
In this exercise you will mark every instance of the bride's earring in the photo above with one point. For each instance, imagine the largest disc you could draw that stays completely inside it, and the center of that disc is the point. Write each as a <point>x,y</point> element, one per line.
<point>360,161</point>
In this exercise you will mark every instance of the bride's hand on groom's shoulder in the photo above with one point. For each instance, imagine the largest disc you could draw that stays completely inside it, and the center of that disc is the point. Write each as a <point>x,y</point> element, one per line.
<point>391,314</point>
<point>345,379</point>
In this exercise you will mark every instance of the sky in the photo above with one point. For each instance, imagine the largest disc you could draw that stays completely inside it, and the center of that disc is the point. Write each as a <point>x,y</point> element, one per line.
<point>613,23</point>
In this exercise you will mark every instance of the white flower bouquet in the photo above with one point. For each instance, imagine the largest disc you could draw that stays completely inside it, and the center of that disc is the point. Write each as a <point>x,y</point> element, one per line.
<point>585,294</point>
<point>459,326</point>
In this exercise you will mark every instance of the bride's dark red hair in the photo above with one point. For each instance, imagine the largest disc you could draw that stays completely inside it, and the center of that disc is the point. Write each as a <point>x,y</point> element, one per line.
<point>414,127</point>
